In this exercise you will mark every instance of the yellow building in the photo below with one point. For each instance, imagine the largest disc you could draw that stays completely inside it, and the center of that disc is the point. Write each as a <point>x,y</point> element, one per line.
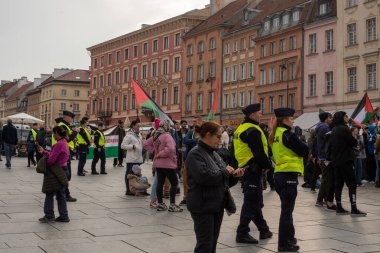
<point>358,49</point>
<point>33,98</point>
<point>69,91</point>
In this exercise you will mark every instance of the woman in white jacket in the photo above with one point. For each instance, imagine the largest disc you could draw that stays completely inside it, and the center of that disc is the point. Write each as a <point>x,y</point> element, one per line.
<point>132,143</point>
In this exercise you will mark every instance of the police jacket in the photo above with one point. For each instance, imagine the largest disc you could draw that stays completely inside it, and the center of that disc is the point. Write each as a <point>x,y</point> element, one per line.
<point>293,142</point>
<point>207,178</point>
<point>97,139</point>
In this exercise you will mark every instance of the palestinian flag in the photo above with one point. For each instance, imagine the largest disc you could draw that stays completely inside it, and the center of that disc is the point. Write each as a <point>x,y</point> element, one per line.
<point>321,110</point>
<point>145,101</point>
<point>364,111</point>
<point>212,112</point>
<point>111,141</point>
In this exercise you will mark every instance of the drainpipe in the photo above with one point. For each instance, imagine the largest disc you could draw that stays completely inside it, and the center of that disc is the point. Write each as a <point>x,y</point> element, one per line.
<point>221,84</point>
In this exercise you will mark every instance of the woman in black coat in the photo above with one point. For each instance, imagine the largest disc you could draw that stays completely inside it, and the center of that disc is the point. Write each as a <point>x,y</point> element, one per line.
<point>207,178</point>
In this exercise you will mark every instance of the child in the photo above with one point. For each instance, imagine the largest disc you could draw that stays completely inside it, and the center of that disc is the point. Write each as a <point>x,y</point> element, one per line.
<point>137,183</point>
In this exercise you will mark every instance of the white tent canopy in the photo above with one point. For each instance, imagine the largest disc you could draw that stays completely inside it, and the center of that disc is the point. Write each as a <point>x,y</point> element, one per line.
<point>309,120</point>
<point>23,118</point>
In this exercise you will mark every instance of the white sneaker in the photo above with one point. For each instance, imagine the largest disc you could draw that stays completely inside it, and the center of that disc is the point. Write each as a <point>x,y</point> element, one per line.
<point>364,181</point>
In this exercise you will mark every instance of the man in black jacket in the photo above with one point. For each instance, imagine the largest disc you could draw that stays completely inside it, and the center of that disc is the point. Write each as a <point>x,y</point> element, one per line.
<point>342,154</point>
<point>120,157</point>
<point>10,140</point>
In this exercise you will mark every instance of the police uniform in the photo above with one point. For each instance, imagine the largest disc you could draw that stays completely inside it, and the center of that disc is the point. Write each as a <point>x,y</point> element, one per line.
<point>83,142</point>
<point>72,135</point>
<point>32,139</point>
<point>99,141</point>
<point>288,152</point>
<point>251,152</point>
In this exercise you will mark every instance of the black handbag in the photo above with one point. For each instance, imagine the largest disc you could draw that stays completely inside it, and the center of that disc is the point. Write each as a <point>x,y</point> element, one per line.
<point>229,202</point>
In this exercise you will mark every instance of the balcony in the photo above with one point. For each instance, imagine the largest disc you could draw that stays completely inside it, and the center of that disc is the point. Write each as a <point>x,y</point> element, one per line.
<point>104,115</point>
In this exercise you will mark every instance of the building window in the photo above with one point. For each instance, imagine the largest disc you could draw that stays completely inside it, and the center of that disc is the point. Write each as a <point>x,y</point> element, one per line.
<point>242,71</point>
<point>118,56</point>
<point>145,48</point>
<point>200,72</point>
<point>266,25</point>
<point>285,20</point>
<point>233,100</point>
<point>108,105</point>
<point>101,81</point>
<point>76,93</point>
<point>272,75</point>
<point>125,99</point>
<point>226,77</point>
<point>293,42</point>
<point>175,95</point>
<point>281,101</point>
<point>100,105</point>
<point>351,34</point>
<point>144,71</point>
<point>63,93</point>
<point>126,54</point>
<point>313,43</point>
<point>155,46</point>
<point>296,16</point>
<point>351,72</point>
<point>241,99</point>
<point>189,50</point>
<point>271,104</point>
<point>250,97</point>
<point>227,48</point>
<point>189,74</point>
<point>116,104</point>
<point>126,75</point>
<point>94,84</point>
<point>133,102</point>
<point>212,43</point>
<point>63,106</point>
<point>233,73</point>
<point>212,69</point>
<point>134,73</point>
<point>371,29</point>
<point>272,48</point>
<point>282,45</point>
<point>164,100</point>
<point>165,67</point>
<point>235,47</point>
<point>188,103</point>
<point>226,101</point>
<point>263,50</point>
<point>109,79</point>
<point>102,61</point>
<point>251,41</point>
<point>153,95</point>
<point>351,3</point>
<point>312,85</point>
<point>329,78</point>
<point>135,51</point>
<point>109,59</point>
<point>276,23</point>
<point>243,45</point>
<point>95,63</point>
<point>371,76</point>
<point>166,42</point>
<point>251,69</point>
<point>154,69</point>
<point>262,77</point>
<point>293,73</point>
<point>262,103</point>
<point>329,40</point>
<point>199,101</point>
<point>292,100</point>
<point>323,9</point>
<point>282,73</point>
<point>177,66</point>
<point>117,77</point>
<point>201,47</point>
<point>177,39</point>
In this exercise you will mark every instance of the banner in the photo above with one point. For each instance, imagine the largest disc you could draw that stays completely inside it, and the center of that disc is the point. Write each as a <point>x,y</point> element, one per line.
<point>111,142</point>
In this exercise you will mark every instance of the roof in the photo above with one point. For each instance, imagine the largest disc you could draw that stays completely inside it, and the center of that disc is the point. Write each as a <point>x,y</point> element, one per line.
<point>19,91</point>
<point>33,91</point>
<point>75,76</point>
<point>220,18</point>
<point>314,12</point>
<point>5,87</point>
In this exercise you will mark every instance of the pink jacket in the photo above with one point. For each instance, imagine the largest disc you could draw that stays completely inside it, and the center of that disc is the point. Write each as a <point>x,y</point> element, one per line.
<point>164,150</point>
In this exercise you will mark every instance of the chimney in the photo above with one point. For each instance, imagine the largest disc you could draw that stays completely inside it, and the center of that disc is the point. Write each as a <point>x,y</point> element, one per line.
<point>144,26</point>
<point>216,5</point>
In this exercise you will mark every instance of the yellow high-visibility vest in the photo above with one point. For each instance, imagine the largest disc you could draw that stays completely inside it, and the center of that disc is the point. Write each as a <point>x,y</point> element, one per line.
<point>70,143</point>
<point>80,139</point>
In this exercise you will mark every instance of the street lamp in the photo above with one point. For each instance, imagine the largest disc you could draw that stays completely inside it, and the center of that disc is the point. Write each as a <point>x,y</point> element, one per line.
<point>285,67</point>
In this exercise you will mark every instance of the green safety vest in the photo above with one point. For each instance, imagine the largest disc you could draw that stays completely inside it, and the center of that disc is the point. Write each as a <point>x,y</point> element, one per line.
<point>80,139</point>
<point>34,133</point>
<point>70,143</point>
<point>243,152</point>
<point>101,138</point>
<point>286,160</point>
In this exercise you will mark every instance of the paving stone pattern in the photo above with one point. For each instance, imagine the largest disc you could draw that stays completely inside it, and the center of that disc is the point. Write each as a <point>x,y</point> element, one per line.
<point>105,220</point>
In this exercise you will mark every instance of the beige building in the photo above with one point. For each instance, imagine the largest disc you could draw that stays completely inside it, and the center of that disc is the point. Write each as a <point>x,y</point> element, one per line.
<point>33,98</point>
<point>16,101</point>
<point>5,89</point>
<point>69,91</point>
<point>358,50</point>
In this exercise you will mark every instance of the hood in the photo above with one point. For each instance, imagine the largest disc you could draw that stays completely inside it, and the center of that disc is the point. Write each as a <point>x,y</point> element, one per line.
<point>372,129</point>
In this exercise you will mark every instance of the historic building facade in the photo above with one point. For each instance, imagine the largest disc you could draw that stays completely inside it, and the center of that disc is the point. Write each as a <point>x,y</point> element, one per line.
<point>34,99</point>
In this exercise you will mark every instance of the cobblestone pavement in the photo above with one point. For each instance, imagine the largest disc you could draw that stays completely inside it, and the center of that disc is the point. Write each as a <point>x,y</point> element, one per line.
<point>105,220</point>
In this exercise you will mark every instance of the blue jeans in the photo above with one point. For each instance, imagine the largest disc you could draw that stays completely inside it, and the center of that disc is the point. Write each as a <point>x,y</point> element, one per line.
<point>61,201</point>
<point>142,180</point>
<point>127,172</point>
<point>359,170</point>
<point>8,149</point>
<point>153,190</point>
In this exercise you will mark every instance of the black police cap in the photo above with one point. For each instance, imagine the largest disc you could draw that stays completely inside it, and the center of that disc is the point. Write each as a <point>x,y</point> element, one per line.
<point>284,112</point>
<point>251,109</point>
<point>68,113</point>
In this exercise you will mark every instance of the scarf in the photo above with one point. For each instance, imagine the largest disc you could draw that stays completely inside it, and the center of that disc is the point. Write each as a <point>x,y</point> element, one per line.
<point>163,128</point>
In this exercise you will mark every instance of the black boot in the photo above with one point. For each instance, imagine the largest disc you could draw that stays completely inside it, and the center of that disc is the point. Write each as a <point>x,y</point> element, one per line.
<point>288,248</point>
<point>248,239</point>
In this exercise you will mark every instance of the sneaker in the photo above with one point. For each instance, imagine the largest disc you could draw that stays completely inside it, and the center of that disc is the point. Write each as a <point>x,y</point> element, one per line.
<point>175,208</point>
<point>162,207</point>
<point>46,219</point>
<point>331,208</point>
<point>319,204</point>
<point>61,219</point>
<point>71,199</point>
<point>120,165</point>
<point>342,211</point>
<point>358,213</point>
<point>183,202</point>
<point>153,204</point>
<point>364,181</point>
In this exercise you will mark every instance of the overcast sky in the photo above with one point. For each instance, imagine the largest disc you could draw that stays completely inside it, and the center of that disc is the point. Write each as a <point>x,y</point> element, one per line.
<point>37,36</point>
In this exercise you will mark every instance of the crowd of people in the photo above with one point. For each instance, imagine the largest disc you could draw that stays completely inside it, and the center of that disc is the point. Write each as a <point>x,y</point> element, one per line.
<point>208,159</point>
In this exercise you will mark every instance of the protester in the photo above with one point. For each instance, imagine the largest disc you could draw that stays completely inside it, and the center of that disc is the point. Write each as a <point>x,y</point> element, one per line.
<point>372,162</point>
<point>208,177</point>
<point>288,152</point>
<point>360,154</point>
<point>10,140</point>
<point>99,151</point>
<point>120,152</point>
<point>137,183</point>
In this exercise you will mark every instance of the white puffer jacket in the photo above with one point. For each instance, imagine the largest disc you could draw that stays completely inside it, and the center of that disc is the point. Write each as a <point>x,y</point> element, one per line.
<point>134,155</point>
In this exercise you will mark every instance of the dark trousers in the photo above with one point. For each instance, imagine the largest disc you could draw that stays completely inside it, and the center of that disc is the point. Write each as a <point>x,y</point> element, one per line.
<point>162,174</point>
<point>207,228</point>
<point>82,160</point>
<point>371,167</point>
<point>345,173</point>
<point>127,172</point>
<point>61,201</point>
<point>286,187</point>
<point>317,171</point>
<point>99,155</point>
<point>120,157</point>
<point>68,174</point>
<point>31,157</point>
<point>327,189</point>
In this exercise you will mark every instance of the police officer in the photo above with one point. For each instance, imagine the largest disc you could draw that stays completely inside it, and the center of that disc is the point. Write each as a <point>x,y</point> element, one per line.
<point>32,140</point>
<point>251,152</point>
<point>83,142</point>
<point>65,121</point>
<point>99,151</point>
<point>288,152</point>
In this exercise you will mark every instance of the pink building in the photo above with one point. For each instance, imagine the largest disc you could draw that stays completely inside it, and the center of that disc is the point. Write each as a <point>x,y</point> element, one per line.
<point>320,60</point>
